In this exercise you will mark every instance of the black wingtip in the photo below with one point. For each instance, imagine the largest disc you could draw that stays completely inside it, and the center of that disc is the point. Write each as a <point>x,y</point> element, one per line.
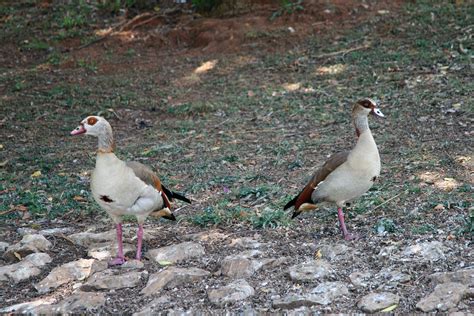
<point>291,203</point>
<point>295,213</point>
<point>171,217</point>
<point>180,197</point>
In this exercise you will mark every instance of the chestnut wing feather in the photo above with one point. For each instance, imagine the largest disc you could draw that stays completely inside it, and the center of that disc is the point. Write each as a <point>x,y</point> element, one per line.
<point>329,166</point>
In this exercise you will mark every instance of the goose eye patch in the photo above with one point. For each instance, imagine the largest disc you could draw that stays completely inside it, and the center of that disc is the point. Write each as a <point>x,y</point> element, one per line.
<point>91,120</point>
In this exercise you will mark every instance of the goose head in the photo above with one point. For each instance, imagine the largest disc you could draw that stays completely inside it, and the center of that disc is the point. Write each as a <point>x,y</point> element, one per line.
<point>94,126</point>
<point>365,107</point>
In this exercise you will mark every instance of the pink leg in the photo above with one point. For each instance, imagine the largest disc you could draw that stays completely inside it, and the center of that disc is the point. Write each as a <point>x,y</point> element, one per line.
<point>345,233</point>
<point>139,242</point>
<point>120,259</point>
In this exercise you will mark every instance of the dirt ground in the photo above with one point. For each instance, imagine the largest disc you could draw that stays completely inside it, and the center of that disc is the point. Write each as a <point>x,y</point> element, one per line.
<point>237,110</point>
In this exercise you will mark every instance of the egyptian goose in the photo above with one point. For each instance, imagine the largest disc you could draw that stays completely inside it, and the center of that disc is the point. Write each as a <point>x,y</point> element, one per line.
<point>345,175</point>
<point>124,188</point>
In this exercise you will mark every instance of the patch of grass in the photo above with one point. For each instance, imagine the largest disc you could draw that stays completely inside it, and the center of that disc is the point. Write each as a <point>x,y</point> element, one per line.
<point>37,44</point>
<point>423,229</point>
<point>270,218</point>
<point>210,217</point>
<point>87,64</point>
<point>386,225</point>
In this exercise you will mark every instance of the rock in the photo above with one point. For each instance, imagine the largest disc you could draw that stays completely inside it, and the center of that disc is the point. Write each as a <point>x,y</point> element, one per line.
<point>80,301</point>
<point>107,250</point>
<point>172,277</point>
<point>28,244</point>
<point>236,291</point>
<point>246,243</point>
<point>72,271</point>
<point>88,239</point>
<point>324,294</point>
<point>56,231</point>
<point>176,253</point>
<point>26,231</point>
<point>426,251</point>
<point>375,302</point>
<point>310,270</point>
<point>30,266</point>
<point>3,246</point>
<point>465,277</point>
<point>273,263</point>
<point>240,265</point>
<point>110,279</point>
<point>360,279</point>
<point>207,236</point>
<point>132,265</point>
<point>444,297</point>
<point>331,252</point>
<point>27,307</point>
<point>153,306</point>
<point>393,276</point>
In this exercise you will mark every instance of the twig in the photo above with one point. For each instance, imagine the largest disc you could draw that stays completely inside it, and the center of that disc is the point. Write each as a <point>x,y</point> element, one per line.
<point>388,200</point>
<point>344,51</point>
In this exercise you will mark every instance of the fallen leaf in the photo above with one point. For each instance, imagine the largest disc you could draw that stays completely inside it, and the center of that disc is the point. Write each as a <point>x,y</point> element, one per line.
<point>1,146</point>
<point>439,207</point>
<point>36,174</point>
<point>17,255</point>
<point>389,309</point>
<point>165,263</point>
<point>79,198</point>
<point>318,254</point>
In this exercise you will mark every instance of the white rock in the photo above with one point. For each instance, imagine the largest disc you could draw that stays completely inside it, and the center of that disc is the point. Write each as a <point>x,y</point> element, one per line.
<point>176,253</point>
<point>28,244</point>
<point>361,279</point>
<point>107,250</point>
<point>240,265</point>
<point>3,246</point>
<point>426,251</point>
<point>154,306</point>
<point>465,276</point>
<point>310,270</point>
<point>30,266</point>
<point>71,271</point>
<point>27,307</point>
<point>56,231</point>
<point>246,243</point>
<point>26,231</point>
<point>78,300</point>
<point>236,291</point>
<point>375,302</point>
<point>332,252</point>
<point>444,297</point>
<point>110,279</point>
<point>172,277</point>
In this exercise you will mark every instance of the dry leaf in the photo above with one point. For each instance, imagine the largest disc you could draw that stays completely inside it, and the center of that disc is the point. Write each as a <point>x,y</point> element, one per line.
<point>36,174</point>
<point>318,254</point>
<point>79,198</point>
<point>17,255</point>
<point>164,263</point>
<point>389,309</point>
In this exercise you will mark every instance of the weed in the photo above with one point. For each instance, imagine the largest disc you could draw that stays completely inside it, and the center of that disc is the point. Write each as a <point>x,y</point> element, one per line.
<point>287,7</point>
<point>270,218</point>
<point>385,225</point>
<point>210,217</point>
<point>423,229</point>
<point>88,65</point>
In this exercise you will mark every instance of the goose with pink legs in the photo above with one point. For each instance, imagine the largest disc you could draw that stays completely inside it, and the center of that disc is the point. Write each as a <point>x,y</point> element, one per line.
<point>124,188</point>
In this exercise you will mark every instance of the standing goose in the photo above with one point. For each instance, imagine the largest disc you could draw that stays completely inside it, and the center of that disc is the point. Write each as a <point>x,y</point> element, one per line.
<point>124,188</point>
<point>345,175</point>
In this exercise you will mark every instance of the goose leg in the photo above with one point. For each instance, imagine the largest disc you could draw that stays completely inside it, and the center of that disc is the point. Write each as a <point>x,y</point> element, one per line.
<point>120,259</point>
<point>139,242</point>
<point>345,233</point>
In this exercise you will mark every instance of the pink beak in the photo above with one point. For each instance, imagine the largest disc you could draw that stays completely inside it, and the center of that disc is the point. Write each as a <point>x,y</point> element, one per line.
<point>78,130</point>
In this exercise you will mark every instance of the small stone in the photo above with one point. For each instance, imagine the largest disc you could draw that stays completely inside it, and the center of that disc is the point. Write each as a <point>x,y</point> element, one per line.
<point>87,239</point>
<point>236,291</point>
<point>153,306</point>
<point>132,265</point>
<point>30,266</point>
<point>107,250</point>
<point>332,252</point>
<point>176,253</point>
<point>28,244</point>
<point>240,265</point>
<point>56,231</point>
<point>324,294</point>
<point>3,246</point>
<point>246,243</point>
<point>72,271</point>
<point>465,276</point>
<point>273,263</point>
<point>27,307</point>
<point>110,280</point>
<point>426,251</point>
<point>311,270</point>
<point>77,301</point>
<point>26,231</point>
<point>360,279</point>
<point>172,277</point>
<point>444,297</point>
<point>393,276</point>
<point>375,302</point>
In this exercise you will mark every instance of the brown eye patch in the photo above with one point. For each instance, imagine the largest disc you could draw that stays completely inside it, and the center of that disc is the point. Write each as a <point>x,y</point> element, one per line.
<point>366,103</point>
<point>91,120</point>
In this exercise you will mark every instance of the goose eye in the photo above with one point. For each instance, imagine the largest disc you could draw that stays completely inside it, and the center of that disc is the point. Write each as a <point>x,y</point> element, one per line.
<point>91,120</point>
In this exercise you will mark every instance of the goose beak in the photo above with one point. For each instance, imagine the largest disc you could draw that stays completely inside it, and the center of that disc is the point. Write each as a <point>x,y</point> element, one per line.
<point>78,130</point>
<point>377,112</point>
